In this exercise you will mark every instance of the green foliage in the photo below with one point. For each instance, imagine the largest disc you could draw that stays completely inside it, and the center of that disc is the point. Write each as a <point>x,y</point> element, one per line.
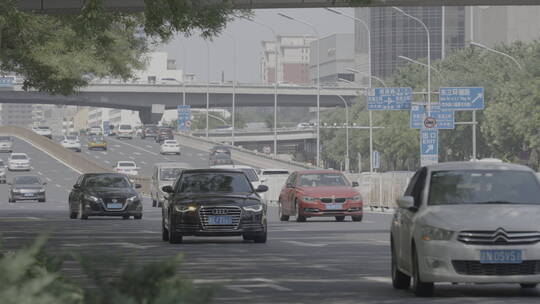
<point>508,127</point>
<point>30,276</point>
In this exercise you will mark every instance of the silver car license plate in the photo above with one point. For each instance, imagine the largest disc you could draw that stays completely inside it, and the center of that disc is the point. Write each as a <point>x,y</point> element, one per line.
<point>497,256</point>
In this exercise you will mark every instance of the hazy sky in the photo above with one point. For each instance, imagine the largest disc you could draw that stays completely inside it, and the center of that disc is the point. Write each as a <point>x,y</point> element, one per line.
<point>249,36</point>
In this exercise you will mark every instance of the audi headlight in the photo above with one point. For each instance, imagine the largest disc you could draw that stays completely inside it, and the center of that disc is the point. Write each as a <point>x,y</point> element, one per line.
<point>309,199</point>
<point>92,198</point>
<point>133,198</point>
<point>185,208</point>
<point>436,234</point>
<point>254,208</point>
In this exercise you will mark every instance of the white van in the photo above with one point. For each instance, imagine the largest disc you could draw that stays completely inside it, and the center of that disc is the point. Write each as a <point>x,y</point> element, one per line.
<point>164,174</point>
<point>125,131</point>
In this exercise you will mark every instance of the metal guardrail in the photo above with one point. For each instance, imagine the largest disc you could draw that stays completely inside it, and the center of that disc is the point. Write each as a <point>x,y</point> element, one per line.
<point>78,161</point>
<point>381,190</point>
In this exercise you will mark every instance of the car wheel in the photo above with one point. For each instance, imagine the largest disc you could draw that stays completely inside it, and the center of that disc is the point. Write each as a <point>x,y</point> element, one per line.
<point>246,237</point>
<point>399,279</point>
<point>260,238</point>
<point>72,214</point>
<point>420,289</point>
<point>174,237</point>
<point>125,217</point>
<point>42,201</point>
<point>528,285</point>
<point>282,217</point>
<point>81,214</point>
<point>340,218</point>
<point>357,218</point>
<point>138,217</point>
<point>154,203</point>
<point>299,218</point>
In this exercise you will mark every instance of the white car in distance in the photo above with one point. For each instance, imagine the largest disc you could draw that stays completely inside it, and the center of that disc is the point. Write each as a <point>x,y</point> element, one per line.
<point>127,167</point>
<point>6,144</point>
<point>43,130</point>
<point>19,162</point>
<point>170,147</point>
<point>124,131</point>
<point>71,143</point>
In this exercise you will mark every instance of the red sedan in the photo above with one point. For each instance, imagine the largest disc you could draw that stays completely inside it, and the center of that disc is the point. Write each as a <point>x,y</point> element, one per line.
<point>316,193</point>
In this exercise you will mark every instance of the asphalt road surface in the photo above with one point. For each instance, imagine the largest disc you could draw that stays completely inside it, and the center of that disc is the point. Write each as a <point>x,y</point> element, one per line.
<point>315,262</point>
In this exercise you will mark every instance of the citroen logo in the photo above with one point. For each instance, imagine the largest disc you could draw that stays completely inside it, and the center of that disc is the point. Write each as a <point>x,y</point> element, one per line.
<point>219,211</point>
<point>500,236</point>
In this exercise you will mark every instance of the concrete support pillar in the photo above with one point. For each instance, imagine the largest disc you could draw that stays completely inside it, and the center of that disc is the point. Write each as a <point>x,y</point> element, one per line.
<point>147,117</point>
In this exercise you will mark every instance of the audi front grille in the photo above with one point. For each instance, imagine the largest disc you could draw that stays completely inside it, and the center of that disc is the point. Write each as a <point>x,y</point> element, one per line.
<point>234,212</point>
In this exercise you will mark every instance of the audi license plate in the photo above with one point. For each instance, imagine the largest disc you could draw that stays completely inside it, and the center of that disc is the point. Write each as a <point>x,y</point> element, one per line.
<point>334,206</point>
<point>114,206</point>
<point>501,256</point>
<point>219,220</point>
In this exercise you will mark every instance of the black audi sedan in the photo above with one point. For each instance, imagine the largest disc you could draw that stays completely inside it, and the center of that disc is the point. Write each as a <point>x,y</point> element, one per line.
<point>214,202</point>
<point>104,194</point>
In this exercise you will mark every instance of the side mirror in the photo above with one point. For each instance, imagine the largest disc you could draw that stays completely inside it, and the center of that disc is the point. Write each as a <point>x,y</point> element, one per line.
<point>76,186</point>
<point>406,202</point>
<point>167,189</point>
<point>138,186</point>
<point>261,189</point>
<point>355,184</point>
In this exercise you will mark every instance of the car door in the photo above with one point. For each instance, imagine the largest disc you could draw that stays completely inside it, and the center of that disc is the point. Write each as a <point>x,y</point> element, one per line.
<point>407,219</point>
<point>284,195</point>
<point>291,195</point>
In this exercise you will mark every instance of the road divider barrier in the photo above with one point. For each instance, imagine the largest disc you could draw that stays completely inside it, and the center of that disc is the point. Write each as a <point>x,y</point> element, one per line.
<point>381,190</point>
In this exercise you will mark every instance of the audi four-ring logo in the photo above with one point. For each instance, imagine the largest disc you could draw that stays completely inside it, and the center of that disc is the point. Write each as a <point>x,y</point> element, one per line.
<point>219,211</point>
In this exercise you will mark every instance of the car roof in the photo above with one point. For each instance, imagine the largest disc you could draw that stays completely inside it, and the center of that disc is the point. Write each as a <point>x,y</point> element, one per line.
<point>108,173</point>
<point>273,169</point>
<point>125,161</point>
<point>212,170</point>
<point>18,153</point>
<point>232,167</point>
<point>317,171</point>
<point>172,165</point>
<point>476,165</point>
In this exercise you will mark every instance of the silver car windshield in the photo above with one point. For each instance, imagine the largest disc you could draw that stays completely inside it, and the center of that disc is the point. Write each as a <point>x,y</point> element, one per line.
<point>483,187</point>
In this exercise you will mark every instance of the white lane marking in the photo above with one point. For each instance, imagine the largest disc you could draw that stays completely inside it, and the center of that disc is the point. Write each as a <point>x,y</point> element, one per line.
<point>136,153</point>
<point>304,244</point>
<point>40,173</point>
<point>166,158</point>
<point>139,148</point>
<point>121,244</point>
<point>48,179</point>
<point>57,185</point>
<point>121,153</point>
<point>149,146</point>
<point>200,154</point>
<point>117,146</point>
<point>143,162</point>
<point>107,162</point>
<point>378,279</point>
<point>96,156</point>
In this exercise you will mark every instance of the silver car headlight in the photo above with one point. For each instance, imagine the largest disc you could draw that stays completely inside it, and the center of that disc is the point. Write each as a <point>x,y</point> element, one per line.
<point>92,198</point>
<point>429,233</point>
<point>253,208</point>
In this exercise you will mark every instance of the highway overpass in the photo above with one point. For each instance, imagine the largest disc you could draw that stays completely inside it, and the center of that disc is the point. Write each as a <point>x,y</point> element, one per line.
<point>60,6</point>
<point>141,96</point>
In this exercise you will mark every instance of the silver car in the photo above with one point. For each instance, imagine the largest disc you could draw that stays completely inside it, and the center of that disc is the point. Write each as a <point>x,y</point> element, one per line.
<point>467,222</point>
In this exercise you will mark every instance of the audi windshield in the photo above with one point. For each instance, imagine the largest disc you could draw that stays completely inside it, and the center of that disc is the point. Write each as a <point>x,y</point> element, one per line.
<point>215,183</point>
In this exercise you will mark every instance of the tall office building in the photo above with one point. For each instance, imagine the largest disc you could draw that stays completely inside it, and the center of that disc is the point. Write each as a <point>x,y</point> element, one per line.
<point>336,56</point>
<point>451,28</point>
<point>16,114</point>
<point>293,59</point>
<point>394,34</point>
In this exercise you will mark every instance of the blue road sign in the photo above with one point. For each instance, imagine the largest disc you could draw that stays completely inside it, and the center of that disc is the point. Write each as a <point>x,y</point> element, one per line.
<point>376,160</point>
<point>106,128</point>
<point>445,118</point>
<point>184,118</point>
<point>461,98</point>
<point>429,146</point>
<point>389,99</point>
<point>6,81</point>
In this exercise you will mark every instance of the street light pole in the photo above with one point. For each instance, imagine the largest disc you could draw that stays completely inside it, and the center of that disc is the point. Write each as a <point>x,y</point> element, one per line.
<point>183,73</point>
<point>422,64</point>
<point>207,86</point>
<point>428,53</point>
<point>368,30</point>
<point>318,82</point>
<point>233,87</point>
<point>276,83</point>
<point>347,159</point>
